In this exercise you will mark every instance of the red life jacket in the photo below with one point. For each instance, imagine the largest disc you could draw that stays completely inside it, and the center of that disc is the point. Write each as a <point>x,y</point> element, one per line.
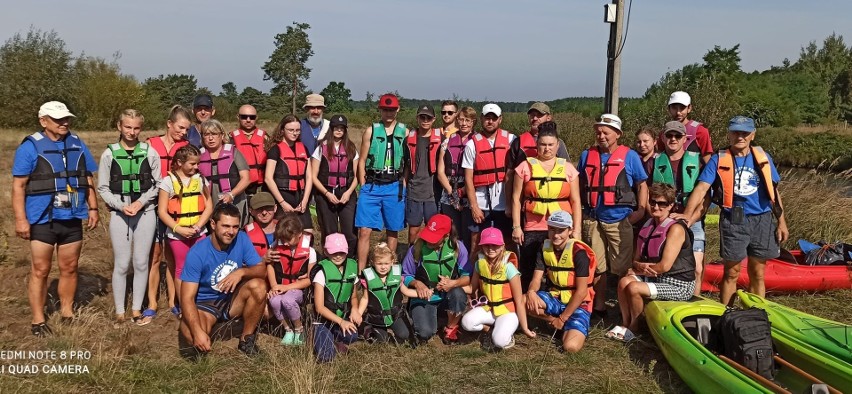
<point>166,156</point>
<point>611,181</point>
<point>291,167</point>
<point>652,238</point>
<point>252,150</point>
<point>529,144</point>
<point>490,164</point>
<point>453,159</point>
<point>336,172</point>
<point>435,138</point>
<point>257,237</point>
<point>226,174</point>
<point>293,261</point>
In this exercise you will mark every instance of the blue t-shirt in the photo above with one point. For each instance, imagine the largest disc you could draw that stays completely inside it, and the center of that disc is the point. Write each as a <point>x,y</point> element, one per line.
<point>748,192</point>
<point>635,174</point>
<point>207,266</point>
<point>26,157</point>
<point>193,136</point>
<point>310,135</point>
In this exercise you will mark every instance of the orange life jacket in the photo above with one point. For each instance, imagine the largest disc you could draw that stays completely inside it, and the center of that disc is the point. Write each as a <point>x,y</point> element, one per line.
<point>187,203</point>
<point>560,271</point>
<point>547,192</point>
<point>435,138</point>
<point>166,155</point>
<point>293,261</point>
<point>291,167</point>
<point>257,237</point>
<point>529,144</point>
<point>490,164</point>
<point>495,285</point>
<point>611,181</point>
<point>725,176</point>
<point>252,150</point>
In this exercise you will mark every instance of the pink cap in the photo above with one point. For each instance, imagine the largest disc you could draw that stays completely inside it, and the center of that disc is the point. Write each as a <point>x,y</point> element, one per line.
<point>336,243</point>
<point>491,236</point>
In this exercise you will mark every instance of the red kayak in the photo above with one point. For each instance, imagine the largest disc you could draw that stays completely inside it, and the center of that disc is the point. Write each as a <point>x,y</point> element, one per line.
<point>782,275</point>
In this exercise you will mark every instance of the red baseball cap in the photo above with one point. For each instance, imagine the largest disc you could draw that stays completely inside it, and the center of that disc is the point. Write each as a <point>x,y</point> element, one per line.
<point>491,236</point>
<point>388,101</point>
<point>438,226</point>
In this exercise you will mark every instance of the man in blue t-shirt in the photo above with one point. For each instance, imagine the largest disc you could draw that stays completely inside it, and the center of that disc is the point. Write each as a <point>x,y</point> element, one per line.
<point>744,182</point>
<point>52,193</point>
<point>222,279</point>
<point>614,194</point>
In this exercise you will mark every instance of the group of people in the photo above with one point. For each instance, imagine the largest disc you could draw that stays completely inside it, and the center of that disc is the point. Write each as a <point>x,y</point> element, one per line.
<point>500,226</point>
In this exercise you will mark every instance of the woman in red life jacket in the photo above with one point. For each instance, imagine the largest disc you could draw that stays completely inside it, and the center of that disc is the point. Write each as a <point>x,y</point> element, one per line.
<point>451,174</point>
<point>224,166</point>
<point>288,277</point>
<point>289,177</point>
<point>663,264</point>
<point>166,146</point>
<point>333,164</point>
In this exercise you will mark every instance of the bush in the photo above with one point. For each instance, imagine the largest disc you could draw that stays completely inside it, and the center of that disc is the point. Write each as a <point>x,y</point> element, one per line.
<point>102,92</point>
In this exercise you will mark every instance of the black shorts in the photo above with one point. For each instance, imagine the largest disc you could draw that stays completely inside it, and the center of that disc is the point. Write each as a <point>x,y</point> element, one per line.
<point>218,308</point>
<point>58,232</point>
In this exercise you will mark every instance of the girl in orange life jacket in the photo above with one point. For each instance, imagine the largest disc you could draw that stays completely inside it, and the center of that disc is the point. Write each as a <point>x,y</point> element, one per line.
<point>663,264</point>
<point>128,185</point>
<point>451,174</point>
<point>380,300</point>
<point>334,162</point>
<point>184,207</point>
<point>231,170</point>
<point>289,177</point>
<point>166,146</point>
<point>496,276</point>
<point>542,185</point>
<point>288,277</point>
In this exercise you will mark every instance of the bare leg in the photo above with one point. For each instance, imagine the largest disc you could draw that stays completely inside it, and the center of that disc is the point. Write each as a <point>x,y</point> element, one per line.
<point>623,299</point>
<point>393,239</point>
<point>37,287</point>
<point>413,233</point>
<point>573,341</point>
<point>699,271</point>
<point>600,292</point>
<point>68,256</point>
<point>756,268</point>
<point>636,292</point>
<point>364,246</point>
<point>729,283</point>
<point>249,304</point>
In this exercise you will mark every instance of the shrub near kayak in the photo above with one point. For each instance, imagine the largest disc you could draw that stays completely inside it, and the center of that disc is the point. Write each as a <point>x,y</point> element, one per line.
<point>681,330</point>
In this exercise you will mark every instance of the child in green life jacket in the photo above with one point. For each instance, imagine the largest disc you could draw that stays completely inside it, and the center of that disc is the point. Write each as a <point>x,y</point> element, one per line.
<point>334,281</point>
<point>380,301</point>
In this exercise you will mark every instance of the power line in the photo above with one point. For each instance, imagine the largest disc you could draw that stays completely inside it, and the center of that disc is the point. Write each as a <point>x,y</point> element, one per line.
<point>626,30</point>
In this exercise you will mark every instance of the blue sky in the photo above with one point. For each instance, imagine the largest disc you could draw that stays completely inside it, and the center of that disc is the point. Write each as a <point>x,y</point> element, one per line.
<point>477,49</point>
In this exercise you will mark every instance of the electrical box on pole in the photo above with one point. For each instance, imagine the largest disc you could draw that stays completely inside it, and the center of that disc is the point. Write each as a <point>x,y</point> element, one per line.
<point>613,14</point>
<point>609,13</point>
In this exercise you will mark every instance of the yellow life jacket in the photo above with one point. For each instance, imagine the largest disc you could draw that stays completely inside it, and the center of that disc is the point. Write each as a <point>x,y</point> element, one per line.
<point>495,285</point>
<point>187,203</point>
<point>547,192</point>
<point>560,272</point>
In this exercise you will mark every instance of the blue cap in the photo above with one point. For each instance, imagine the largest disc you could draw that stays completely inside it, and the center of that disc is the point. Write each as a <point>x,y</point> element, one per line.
<point>741,123</point>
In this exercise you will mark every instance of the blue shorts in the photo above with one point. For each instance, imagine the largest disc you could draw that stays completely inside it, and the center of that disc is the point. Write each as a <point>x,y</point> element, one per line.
<point>579,320</point>
<point>698,235</point>
<point>417,213</point>
<point>380,207</point>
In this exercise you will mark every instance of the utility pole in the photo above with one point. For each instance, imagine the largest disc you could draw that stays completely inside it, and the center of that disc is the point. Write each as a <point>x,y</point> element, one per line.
<point>613,15</point>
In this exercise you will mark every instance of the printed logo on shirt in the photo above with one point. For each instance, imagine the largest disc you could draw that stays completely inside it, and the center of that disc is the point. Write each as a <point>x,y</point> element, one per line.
<point>221,272</point>
<point>746,182</point>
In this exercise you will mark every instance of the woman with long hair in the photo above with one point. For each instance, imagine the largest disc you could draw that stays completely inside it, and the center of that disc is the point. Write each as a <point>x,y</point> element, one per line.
<point>334,163</point>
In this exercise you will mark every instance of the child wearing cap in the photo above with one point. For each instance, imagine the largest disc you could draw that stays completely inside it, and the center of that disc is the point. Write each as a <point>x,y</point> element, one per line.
<point>496,276</point>
<point>569,266</point>
<point>421,163</point>
<point>288,276</point>
<point>334,281</point>
<point>437,268</point>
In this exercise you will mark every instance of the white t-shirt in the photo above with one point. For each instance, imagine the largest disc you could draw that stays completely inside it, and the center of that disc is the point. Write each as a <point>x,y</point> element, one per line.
<point>168,187</point>
<point>498,202</point>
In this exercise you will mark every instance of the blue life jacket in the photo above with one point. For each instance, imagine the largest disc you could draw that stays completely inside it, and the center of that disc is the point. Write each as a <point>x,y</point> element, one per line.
<point>194,136</point>
<point>57,170</point>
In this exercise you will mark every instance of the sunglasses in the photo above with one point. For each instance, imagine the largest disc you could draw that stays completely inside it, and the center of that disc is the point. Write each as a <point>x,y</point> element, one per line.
<point>674,135</point>
<point>476,302</point>
<point>449,113</point>
<point>657,203</point>
<point>249,117</point>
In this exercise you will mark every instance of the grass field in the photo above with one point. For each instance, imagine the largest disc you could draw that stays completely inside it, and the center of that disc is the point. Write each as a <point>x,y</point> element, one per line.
<point>145,359</point>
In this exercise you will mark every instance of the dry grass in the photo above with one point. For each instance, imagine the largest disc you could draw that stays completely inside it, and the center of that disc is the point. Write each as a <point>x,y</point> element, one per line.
<point>145,359</point>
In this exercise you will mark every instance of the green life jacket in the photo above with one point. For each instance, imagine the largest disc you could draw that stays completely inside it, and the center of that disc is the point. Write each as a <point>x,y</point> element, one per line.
<point>130,172</point>
<point>689,170</point>
<point>384,300</point>
<point>436,263</point>
<point>339,286</point>
<point>377,155</point>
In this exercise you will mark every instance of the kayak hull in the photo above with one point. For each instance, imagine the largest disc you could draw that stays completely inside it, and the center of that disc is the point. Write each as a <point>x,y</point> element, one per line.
<point>781,276</point>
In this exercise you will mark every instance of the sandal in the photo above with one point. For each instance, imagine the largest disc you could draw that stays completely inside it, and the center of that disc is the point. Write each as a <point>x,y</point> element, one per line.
<point>627,336</point>
<point>616,333</point>
<point>176,311</point>
<point>41,330</point>
<point>147,317</point>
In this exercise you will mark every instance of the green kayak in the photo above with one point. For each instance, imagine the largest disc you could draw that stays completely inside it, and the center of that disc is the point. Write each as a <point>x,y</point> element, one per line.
<point>681,330</point>
<point>829,336</point>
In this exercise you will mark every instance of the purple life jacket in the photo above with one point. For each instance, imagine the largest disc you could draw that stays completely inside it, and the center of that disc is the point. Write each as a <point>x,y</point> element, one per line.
<point>226,174</point>
<point>652,238</point>
<point>453,160</point>
<point>336,172</point>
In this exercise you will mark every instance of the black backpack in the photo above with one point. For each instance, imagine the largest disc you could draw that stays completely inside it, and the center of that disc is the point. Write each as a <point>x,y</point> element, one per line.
<point>745,336</point>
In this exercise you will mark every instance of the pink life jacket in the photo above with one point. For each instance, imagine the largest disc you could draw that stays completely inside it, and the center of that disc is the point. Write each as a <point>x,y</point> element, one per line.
<point>691,134</point>
<point>337,172</point>
<point>226,173</point>
<point>652,238</point>
<point>453,159</point>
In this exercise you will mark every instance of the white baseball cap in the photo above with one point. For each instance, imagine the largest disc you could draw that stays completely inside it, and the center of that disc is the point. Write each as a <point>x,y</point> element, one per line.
<point>680,97</point>
<point>55,110</point>
<point>491,109</point>
<point>611,121</point>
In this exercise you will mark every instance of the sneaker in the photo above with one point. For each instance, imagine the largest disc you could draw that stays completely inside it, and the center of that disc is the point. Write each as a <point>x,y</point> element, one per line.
<point>485,342</point>
<point>248,345</point>
<point>41,330</point>
<point>510,344</point>
<point>298,338</point>
<point>287,340</point>
<point>451,334</point>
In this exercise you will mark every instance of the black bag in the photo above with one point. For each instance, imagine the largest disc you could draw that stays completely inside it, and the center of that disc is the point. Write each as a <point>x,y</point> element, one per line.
<point>827,254</point>
<point>745,336</point>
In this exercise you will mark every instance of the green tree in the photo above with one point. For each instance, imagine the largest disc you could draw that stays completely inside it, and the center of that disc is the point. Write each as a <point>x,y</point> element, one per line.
<point>338,98</point>
<point>229,92</point>
<point>102,92</point>
<point>286,66</point>
<point>171,89</point>
<point>34,68</point>
<point>254,97</point>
